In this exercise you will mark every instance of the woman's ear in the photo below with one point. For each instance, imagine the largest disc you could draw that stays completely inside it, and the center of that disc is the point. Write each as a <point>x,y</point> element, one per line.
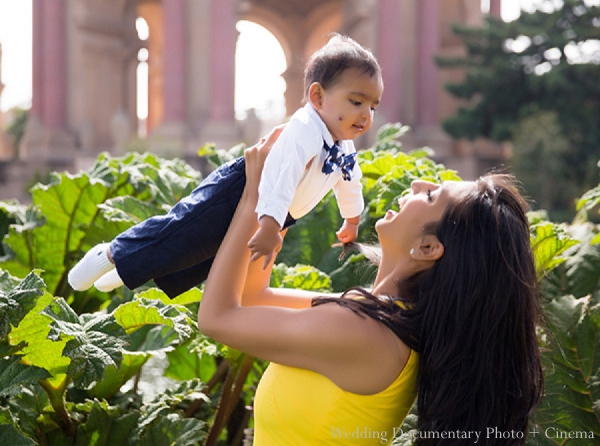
<point>315,95</point>
<point>430,249</point>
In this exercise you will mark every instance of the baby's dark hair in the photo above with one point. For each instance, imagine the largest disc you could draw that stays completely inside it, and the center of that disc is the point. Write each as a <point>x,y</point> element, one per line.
<point>339,54</point>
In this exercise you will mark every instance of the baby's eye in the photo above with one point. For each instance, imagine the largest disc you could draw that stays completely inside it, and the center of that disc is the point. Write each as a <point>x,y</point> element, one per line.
<point>429,194</point>
<point>357,103</point>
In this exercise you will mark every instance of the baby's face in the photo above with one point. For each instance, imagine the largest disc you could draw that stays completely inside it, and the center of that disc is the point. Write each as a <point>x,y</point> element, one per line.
<point>347,107</point>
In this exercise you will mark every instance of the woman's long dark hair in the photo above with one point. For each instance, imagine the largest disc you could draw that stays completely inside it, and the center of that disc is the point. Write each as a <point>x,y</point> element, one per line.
<point>472,317</point>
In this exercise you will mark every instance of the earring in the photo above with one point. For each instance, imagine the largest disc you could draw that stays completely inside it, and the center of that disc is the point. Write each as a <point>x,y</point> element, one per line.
<point>412,252</point>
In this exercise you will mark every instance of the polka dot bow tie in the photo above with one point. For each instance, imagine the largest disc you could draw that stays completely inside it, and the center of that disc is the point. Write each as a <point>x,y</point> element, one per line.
<point>335,160</point>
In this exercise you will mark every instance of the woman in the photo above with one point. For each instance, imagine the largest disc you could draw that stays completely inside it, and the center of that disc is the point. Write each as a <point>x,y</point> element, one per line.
<point>456,283</point>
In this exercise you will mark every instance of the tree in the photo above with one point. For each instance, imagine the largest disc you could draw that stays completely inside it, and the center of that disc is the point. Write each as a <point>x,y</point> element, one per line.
<point>546,61</point>
<point>17,127</point>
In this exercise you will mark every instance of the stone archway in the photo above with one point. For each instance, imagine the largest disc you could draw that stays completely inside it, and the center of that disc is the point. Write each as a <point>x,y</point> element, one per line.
<point>301,28</point>
<point>85,59</point>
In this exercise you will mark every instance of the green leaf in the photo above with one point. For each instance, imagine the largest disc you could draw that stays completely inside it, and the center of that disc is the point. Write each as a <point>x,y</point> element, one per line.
<point>39,350</point>
<point>129,210</point>
<point>194,359</point>
<point>549,241</point>
<point>13,374</point>
<point>572,367</point>
<point>11,436</point>
<point>582,267</point>
<point>589,200</point>
<point>217,157</point>
<point>106,426</point>
<point>408,431</point>
<point>300,277</point>
<point>174,430</point>
<point>142,312</point>
<point>17,298</point>
<point>27,411</point>
<point>151,429</point>
<point>66,220</point>
<point>113,379</point>
<point>193,295</point>
<point>94,341</point>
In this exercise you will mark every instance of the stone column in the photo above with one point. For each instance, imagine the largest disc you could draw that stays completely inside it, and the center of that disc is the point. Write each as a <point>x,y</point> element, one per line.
<point>37,62</point>
<point>221,127</point>
<point>223,37</point>
<point>496,8</point>
<point>33,129</point>
<point>153,14</point>
<point>172,134</point>
<point>427,79</point>
<point>175,80</point>
<point>294,76</point>
<point>54,63</point>
<point>390,56</point>
<point>5,146</point>
<point>46,134</point>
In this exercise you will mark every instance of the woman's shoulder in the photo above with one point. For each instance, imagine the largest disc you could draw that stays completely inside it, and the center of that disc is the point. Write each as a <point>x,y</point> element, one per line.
<point>377,355</point>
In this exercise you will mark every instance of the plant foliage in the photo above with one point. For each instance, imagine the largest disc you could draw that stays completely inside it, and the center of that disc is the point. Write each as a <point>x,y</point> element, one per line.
<point>73,365</point>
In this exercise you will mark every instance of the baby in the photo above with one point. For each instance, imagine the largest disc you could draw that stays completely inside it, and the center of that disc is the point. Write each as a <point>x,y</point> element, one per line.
<point>313,154</point>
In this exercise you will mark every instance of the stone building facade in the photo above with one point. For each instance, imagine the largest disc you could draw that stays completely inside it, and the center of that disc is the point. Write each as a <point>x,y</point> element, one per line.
<point>85,60</point>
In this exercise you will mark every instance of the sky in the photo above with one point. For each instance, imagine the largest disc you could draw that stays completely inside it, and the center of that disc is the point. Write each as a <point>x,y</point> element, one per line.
<point>265,93</point>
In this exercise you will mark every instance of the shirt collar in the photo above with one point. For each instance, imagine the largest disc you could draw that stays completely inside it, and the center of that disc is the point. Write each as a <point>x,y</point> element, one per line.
<point>322,127</point>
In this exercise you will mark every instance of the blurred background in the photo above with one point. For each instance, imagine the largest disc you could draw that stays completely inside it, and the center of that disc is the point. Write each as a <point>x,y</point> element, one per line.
<point>487,84</point>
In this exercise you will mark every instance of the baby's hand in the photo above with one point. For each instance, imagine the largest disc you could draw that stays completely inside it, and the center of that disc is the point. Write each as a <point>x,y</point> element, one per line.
<point>266,241</point>
<point>348,232</point>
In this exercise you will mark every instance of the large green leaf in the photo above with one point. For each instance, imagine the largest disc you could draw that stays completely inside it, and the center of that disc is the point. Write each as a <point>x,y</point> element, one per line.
<point>572,360</point>
<point>582,268</point>
<point>38,349</point>
<point>300,277</point>
<point>129,210</point>
<point>27,410</point>
<point>549,241</point>
<point>194,359</point>
<point>153,430</point>
<point>11,436</point>
<point>17,298</point>
<point>174,430</point>
<point>142,312</point>
<point>106,426</point>
<point>66,219</point>
<point>589,200</point>
<point>94,341</point>
<point>407,433</point>
<point>14,374</point>
<point>114,378</point>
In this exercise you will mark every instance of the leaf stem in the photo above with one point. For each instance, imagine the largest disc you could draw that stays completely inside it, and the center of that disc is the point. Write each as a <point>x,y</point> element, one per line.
<point>56,395</point>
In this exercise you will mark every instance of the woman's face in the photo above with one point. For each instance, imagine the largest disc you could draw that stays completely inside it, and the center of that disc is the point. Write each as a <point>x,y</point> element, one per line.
<point>425,204</point>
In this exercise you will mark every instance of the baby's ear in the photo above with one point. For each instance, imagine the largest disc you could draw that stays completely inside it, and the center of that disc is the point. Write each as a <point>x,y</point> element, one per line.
<point>315,95</point>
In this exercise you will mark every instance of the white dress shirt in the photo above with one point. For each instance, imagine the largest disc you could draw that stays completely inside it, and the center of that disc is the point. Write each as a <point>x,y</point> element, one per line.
<point>292,180</point>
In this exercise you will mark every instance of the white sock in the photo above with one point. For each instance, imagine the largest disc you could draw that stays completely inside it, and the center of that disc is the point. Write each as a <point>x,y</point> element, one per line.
<point>109,281</point>
<point>95,264</point>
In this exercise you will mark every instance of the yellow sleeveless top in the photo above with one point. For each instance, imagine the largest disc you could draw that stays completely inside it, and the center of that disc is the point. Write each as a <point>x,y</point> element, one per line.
<point>299,407</point>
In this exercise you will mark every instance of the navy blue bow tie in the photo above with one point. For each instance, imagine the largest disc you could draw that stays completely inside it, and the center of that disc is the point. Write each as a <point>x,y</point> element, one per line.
<point>334,159</point>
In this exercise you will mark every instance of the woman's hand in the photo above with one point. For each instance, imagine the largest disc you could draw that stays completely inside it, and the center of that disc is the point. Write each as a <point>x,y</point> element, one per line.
<point>255,158</point>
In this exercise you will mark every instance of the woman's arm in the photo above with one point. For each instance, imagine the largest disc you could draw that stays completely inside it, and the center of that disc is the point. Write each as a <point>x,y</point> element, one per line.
<point>351,350</point>
<point>257,290</point>
<point>253,283</point>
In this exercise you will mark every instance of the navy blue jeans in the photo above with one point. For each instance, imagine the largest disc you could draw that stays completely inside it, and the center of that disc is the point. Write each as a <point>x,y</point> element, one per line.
<point>176,250</point>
